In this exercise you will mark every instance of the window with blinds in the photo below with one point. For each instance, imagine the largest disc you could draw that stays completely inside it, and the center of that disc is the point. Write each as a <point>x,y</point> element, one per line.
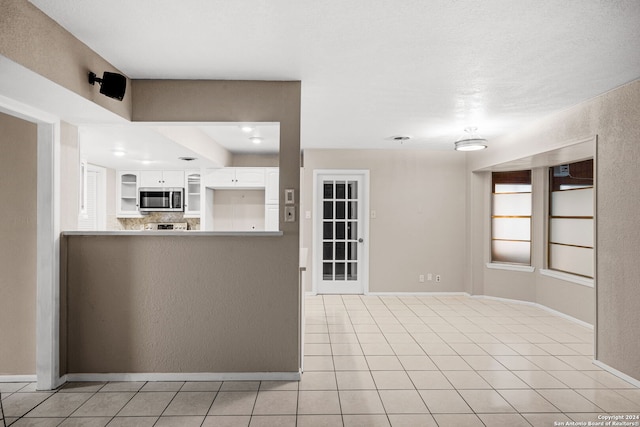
<point>511,217</point>
<point>571,218</point>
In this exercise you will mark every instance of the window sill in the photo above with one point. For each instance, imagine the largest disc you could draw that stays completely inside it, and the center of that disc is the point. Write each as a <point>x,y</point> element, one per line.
<point>568,277</point>
<point>510,267</point>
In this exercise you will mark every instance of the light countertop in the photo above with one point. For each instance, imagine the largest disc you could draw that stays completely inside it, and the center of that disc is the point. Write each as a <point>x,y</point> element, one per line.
<point>188,233</point>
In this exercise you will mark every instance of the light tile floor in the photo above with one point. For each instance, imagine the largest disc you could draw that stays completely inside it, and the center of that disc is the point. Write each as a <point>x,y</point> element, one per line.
<point>376,361</point>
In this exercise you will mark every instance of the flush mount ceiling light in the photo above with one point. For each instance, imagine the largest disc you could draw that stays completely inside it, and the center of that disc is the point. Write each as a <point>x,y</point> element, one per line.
<point>246,128</point>
<point>112,85</point>
<point>255,139</point>
<point>470,141</point>
<point>119,153</point>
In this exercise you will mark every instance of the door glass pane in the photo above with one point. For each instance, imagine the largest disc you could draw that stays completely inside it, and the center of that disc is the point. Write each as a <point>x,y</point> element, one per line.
<point>339,270</point>
<point>353,190</point>
<point>328,190</point>
<point>340,190</point>
<point>328,210</point>
<point>327,270</point>
<point>353,210</point>
<point>327,251</point>
<point>340,248</point>
<point>352,251</point>
<point>340,234</point>
<point>352,271</point>
<point>353,230</point>
<point>340,210</point>
<point>327,230</point>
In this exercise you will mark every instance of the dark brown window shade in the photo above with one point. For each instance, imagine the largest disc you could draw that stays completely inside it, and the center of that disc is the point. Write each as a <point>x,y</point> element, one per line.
<point>515,177</point>
<point>572,175</point>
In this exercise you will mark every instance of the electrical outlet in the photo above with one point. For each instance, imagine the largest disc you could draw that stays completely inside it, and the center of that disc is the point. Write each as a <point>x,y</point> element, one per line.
<point>421,278</point>
<point>437,277</point>
<point>429,277</point>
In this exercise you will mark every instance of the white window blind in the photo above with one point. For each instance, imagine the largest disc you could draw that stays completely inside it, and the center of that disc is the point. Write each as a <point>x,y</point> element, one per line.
<point>511,217</point>
<point>571,237</point>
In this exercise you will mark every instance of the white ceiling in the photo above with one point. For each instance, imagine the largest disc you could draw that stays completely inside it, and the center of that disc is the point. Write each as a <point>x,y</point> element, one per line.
<point>147,147</point>
<point>371,69</point>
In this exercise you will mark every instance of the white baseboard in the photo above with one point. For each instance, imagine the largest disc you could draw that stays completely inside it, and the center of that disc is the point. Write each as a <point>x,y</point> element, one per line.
<point>617,373</point>
<point>416,294</point>
<point>197,376</point>
<point>18,378</point>
<point>540,306</point>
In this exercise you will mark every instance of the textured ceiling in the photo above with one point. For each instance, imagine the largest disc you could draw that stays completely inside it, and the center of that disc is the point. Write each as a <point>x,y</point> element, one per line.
<point>371,69</point>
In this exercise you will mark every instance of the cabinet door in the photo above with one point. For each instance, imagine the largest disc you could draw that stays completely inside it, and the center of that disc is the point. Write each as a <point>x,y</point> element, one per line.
<point>127,194</point>
<point>250,177</point>
<point>192,194</point>
<point>173,179</point>
<point>151,179</point>
<point>271,218</point>
<point>272,188</point>
<point>221,178</point>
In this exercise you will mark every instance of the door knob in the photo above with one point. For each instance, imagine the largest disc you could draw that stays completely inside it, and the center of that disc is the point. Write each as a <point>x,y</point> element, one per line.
<point>360,240</point>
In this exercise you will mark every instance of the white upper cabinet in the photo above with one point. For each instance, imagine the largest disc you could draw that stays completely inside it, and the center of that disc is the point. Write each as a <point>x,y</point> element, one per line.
<point>192,193</point>
<point>162,179</point>
<point>127,194</point>
<point>272,186</point>
<point>235,178</point>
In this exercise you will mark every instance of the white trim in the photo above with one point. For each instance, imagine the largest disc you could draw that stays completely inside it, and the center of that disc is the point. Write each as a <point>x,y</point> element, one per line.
<point>310,294</point>
<point>195,376</point>
<point>617,373</point>
<point>48,257</point>
<point>540,306</point>
<point>510,267</point>
<point>315,231</point>
<point>48,239</point>
<point>17,378</point>
<point>568,277</point>
<point>416,294</point>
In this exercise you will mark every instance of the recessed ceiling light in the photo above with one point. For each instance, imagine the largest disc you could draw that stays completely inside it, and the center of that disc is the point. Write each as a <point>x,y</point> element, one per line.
<point>399,138</point>
<point>146,162</point>
<point>187,159</point>
<point>255,139</point>
<point>119,153</point>
<point>246,128</point>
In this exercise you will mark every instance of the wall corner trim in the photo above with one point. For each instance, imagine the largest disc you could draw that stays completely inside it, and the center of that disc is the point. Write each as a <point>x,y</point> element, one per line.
<point>621,375</point>
<point>568,277</point>
<point>510,267</point>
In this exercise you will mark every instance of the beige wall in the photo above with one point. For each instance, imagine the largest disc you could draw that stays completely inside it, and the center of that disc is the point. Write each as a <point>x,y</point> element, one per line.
<point>419,199</point>
<point>192,303</point>
<point>35,41</point>
<point>18,142</point>
<point>254,160</point>
<point>613,117</point>
<point>181,304</point>
<point>69,177</point>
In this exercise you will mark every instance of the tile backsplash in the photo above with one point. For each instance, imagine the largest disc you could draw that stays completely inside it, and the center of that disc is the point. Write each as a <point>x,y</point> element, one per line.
<point>138,223</point>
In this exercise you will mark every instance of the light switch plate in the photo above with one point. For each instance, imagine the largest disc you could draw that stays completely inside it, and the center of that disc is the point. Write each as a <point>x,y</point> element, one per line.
<point>289,196</point>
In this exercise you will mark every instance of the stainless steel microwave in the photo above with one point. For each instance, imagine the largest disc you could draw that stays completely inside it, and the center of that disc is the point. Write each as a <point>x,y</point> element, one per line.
<point>161,200</point>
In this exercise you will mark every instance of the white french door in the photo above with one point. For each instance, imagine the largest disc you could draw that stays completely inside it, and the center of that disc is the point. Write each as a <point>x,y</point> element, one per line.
<point>340,232</point>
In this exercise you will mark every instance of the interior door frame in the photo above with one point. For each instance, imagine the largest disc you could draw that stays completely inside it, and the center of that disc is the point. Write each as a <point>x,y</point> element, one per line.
<point>364,268</point>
